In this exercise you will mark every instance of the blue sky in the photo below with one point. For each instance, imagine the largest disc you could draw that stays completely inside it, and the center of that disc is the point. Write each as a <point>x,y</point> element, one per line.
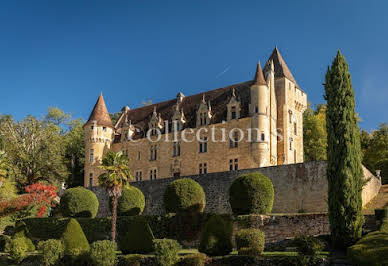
<point>63,53</point>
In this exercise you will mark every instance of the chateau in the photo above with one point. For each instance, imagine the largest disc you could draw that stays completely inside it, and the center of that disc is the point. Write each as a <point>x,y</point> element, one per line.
<point>248,125</point>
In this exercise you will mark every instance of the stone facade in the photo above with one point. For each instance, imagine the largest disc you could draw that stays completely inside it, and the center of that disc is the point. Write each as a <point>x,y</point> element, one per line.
<point>262,120</point>
<point>298,188</point>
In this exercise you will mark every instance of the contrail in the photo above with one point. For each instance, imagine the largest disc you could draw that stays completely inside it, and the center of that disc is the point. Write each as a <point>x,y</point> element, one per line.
<point>223,72</point>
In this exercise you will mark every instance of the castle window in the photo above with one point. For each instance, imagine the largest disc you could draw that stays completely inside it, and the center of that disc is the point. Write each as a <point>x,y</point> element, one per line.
<point>139,175</point>
<point>233,142</point>
<point>153,153</point>
<point>104,129</point>
<point>256,109</point>
<point>91,127</point>
<point>295,129</point>
<point>91,180</point>
<point>234,114</point>
<point>202,119</point>
<point>295,156</point>
<point>203,145</point>
<point>291,140</point>
<point>289,86</point>
<point>91,155</point>
<point>176,149</point>
<point>262,137</point>
<point>153,174</point>
<point>290,116</point>
<point>202,168</point>
<point>233,164</point>
<point>138,155</point>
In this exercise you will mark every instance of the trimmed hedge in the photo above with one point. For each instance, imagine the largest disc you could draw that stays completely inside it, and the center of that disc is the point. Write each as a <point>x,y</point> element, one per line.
<point>138,237</point>
<point>198,259</point>
<point>166,251</point>
<point>250,242</point>
<point>184,195</point>
<point>51,251</point>
<point>21,232</point>
<point>251,193</point>
<point>79,202</point>
<point>372,249</point>
<point>74,240</point>
<point>130,203</point>
<point>216,236</point>
<point>103,253</point>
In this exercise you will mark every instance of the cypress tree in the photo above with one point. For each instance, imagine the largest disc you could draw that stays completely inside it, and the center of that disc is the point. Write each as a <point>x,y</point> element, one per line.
<point>344,169</point>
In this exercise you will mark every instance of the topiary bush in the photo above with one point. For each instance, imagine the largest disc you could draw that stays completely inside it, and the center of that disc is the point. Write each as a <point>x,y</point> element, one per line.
<point>132,260</point>
<point>4,242</point>
<point>198,259</point>
<point>51,251</point>
<point>74,240</point>
<point>130,203</point>
<point>17,249</point>
<point>138,237</point>
<point>103,253</point>
<point>166,251</point>
<point>251,193</point>
<point>79,202</point>
<point>308,245</point>
<point>184,195</point>
<point>216,237</point>
<point>21,232</point>
<point>250,242</point>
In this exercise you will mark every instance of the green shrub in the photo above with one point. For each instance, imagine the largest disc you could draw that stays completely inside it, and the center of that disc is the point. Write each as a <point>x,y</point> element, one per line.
<point>52,251</point>
<point>251,193</point>
<point>132,260</point>
<point>138,237</point>
<point>22,232</point>
<point>79,202</point>
<point>74,240</point>
<point>103,253</point>
<point>130,203</point>
<point>216,237</point>
<point>4,241</point>
<point>250,242</point>
<point>184,195</point>
<point>166,251</point>
<point>198,259</point>
<point>308,245</point>
<point>17,249</point>
<point>381,214</point>
<point>372,249</point>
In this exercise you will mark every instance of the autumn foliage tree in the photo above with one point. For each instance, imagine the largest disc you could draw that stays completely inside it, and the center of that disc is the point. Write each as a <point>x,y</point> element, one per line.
<point>41,195</point>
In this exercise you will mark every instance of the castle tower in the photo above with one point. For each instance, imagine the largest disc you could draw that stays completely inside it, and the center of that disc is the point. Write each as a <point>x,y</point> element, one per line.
<point>291,102</point>
<point>99,134</point>
<point>259,111</point>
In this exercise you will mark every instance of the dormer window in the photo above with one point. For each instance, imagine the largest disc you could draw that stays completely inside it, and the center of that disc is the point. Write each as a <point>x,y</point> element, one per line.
<point>234,107</point>
<point>156,123</point>
<point>178,119</point>
<point>204,113</point>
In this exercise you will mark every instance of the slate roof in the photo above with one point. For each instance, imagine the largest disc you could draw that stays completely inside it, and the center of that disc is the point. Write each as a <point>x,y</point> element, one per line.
<point>100,114</point>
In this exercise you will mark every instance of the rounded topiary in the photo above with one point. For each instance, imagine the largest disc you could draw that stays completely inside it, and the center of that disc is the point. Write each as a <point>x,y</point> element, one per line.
<point>131,202</point>
<point>74,239</point>
<point>184,195</point>
<point>52,251</point>
<point>21,231</point>
<point>103,253</point>
<point>216,237</point>
<point>250,242</point>
<point>138,237</point>
<point>251,193</point>
<point>79,202</point>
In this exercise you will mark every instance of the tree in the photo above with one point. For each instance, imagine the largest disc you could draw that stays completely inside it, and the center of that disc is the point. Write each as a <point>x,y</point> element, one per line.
<point>314,133</point>
<point>115,177</point>
<point>3,166</point>
<point>344,169</point>
<point>34,149</point>
<point>75,153</point>
<point>375,148</point>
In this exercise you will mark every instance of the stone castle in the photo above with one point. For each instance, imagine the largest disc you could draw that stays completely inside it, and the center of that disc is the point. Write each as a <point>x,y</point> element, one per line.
<point>262,118</point>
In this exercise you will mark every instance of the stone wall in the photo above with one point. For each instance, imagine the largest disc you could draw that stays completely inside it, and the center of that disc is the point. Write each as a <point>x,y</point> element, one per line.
<point>298,188</point>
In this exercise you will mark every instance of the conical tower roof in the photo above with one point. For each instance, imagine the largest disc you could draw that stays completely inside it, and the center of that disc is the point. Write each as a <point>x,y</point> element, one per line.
<point>281,68</point>
<point>100,114</point>
<point>259,76</point>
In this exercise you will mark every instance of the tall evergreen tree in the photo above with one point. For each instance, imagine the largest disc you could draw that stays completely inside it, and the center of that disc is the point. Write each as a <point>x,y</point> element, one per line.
<point>344,169</point>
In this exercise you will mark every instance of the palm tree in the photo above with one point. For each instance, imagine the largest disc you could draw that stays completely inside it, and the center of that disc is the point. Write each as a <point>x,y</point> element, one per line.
<point>3,167</point>
<point>116,176</point>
